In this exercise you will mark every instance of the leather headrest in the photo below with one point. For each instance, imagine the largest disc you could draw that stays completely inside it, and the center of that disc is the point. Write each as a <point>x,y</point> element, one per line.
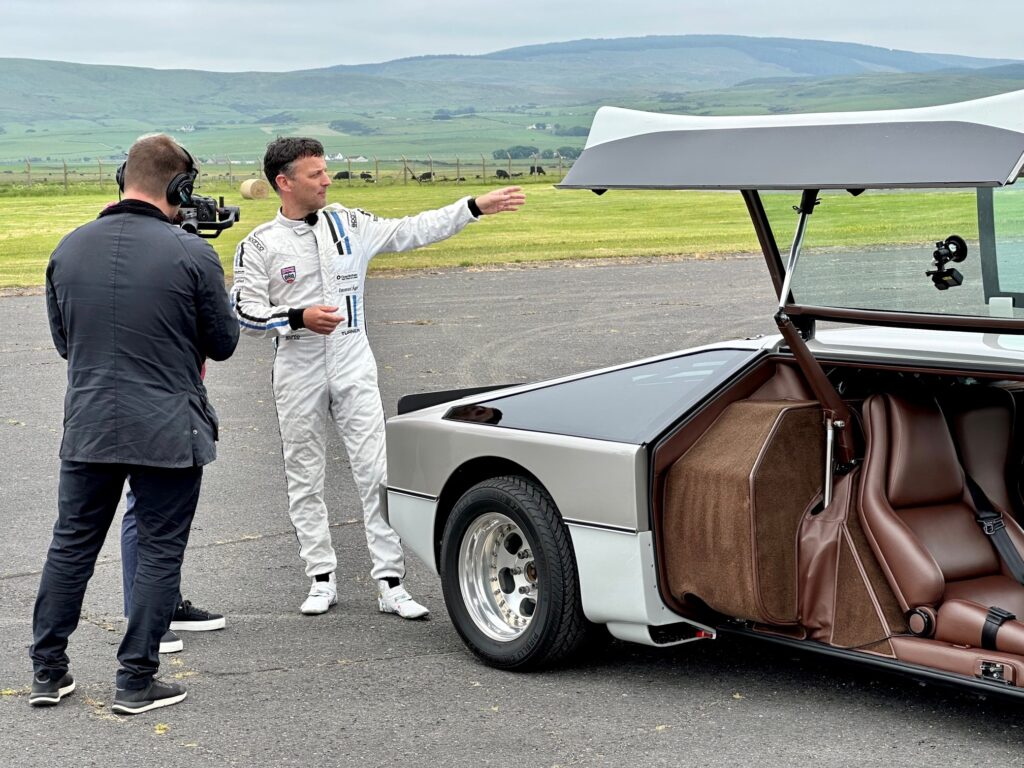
<point>982,421</point>
<point>923,464</point>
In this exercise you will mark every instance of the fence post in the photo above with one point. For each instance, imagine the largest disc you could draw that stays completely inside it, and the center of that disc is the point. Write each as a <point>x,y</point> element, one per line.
<point>458,170</point>
<point>28,172</point>
<point>509,163</point>
<point>430,162</point>
<point>100,164</point>
<point>349,171</point>
<point>483,168</point>
<point>231,176</point>
<point>559,156</point>
<point>405,170</point>
<point>376,169</point>
<point>65,177</point>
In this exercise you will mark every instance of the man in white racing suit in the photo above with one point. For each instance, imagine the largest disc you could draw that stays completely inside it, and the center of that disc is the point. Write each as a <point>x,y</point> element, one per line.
<point>299,279</point>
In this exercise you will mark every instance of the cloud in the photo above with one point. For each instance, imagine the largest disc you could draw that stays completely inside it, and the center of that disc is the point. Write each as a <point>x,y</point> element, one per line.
<point>268,35</point>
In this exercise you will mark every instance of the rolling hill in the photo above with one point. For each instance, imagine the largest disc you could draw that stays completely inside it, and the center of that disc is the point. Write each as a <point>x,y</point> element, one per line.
<point>469,104</point>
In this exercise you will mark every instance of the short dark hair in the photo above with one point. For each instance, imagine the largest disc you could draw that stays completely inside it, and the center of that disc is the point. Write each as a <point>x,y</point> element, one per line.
<point>152,162</point>
<point>285,150</point>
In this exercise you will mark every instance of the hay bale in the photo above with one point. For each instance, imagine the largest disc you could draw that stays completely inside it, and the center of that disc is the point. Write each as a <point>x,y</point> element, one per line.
<point>255,189</point>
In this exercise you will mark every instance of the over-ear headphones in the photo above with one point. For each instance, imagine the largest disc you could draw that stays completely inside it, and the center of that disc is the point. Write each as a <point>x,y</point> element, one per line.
<point>179,190</point>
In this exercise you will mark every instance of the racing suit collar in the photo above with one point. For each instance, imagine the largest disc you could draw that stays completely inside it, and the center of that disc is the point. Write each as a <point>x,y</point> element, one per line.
<point>300,226</point>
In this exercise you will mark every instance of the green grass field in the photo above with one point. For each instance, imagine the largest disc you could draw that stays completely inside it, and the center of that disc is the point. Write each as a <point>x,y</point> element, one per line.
<point>554,224</point>
<point>410,132</point>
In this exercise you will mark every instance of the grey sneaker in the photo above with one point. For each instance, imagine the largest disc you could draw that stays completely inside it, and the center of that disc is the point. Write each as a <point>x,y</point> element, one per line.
<point>46,691</point>
<point>157,694</point>
<point>170,643</point>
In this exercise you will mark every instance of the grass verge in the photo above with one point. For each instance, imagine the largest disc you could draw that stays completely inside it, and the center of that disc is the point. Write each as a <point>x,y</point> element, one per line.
<point>554,224</point>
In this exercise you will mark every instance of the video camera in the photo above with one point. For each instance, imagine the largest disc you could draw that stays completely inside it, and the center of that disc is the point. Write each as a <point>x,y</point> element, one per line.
<point>954,249</point>
<point>207,217</point>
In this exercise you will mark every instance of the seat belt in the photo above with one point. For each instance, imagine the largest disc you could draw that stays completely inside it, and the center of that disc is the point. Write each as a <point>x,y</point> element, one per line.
<point>992,525</point>
<point>994,619</point>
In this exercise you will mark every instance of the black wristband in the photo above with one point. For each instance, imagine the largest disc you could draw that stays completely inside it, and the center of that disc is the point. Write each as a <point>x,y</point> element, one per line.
<point>474,208</point>
<point>295,319</point>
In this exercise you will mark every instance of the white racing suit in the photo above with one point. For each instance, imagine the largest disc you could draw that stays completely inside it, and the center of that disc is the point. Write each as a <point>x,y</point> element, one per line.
<point>281,268</point>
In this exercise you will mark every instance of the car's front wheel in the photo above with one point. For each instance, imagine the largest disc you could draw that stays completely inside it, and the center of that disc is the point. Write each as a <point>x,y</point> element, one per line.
<point>509,576</point>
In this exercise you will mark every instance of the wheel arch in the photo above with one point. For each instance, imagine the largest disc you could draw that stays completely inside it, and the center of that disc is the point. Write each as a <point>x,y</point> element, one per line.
<point>465,477</point>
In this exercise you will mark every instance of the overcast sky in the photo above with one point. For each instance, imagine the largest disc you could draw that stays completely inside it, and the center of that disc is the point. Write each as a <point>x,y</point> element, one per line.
<point>274,35</point>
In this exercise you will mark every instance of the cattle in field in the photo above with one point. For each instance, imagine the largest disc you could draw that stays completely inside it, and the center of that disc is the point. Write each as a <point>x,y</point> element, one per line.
<point>426,176</point>
<point>461,178</point>
<point>516,175</point>
<point>501,173</point>
<point>341,175</point>
<point>536,170</point>
<point>366,176</point>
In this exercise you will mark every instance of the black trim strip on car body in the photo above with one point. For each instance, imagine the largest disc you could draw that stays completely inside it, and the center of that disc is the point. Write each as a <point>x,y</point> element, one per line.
<point>568,521</point>
<point>600,526</point>
<point>413,494</point>
<point>417,402</point>
<point>990,370</point>
<point>891,665</point>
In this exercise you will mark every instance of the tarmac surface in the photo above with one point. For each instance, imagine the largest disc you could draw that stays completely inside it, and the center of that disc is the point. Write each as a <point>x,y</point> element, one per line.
<point>358,688</point>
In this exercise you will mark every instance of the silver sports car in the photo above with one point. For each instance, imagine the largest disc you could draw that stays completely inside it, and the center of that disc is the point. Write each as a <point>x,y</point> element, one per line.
<point>853,490</point>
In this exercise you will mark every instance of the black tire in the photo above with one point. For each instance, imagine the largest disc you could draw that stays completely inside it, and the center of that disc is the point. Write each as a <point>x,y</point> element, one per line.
<point>555,627</point>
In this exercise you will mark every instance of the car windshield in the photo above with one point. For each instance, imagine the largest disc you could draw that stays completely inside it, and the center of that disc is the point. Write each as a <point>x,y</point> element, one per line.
<point>874,250</point>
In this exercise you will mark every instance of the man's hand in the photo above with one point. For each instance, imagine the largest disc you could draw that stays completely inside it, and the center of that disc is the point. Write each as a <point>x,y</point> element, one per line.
<point>321,318</point>
<point>504,199</point>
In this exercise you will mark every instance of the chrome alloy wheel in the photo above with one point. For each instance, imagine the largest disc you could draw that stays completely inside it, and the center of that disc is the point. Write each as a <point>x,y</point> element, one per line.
<point>498,577</point>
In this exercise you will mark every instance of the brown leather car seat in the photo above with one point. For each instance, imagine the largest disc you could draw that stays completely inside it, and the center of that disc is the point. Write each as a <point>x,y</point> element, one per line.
<point>919,519</point>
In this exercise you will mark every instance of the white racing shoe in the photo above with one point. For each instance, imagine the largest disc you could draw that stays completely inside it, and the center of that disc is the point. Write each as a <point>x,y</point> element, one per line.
<point>322,595</point>
<point>397,600</point>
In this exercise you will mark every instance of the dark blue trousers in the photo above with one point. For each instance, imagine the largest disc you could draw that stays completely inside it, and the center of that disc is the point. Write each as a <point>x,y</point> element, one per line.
<point>88,495</point>
<point>130,553</point>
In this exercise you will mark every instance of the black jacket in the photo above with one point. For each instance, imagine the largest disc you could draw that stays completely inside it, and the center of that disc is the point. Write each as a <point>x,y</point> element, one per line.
<point>135,306</point>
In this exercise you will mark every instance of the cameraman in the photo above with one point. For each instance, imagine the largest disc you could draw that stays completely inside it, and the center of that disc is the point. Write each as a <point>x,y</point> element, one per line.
<point>134,305</point>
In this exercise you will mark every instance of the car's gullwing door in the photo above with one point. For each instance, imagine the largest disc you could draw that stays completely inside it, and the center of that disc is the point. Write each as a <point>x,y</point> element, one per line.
<point>973,149</point>
<point>972,144</point>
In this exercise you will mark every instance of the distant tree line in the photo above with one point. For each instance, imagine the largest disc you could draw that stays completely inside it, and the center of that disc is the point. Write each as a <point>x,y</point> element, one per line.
<point>278,118</point>
<point>448,114</point>
<point>351,127</point>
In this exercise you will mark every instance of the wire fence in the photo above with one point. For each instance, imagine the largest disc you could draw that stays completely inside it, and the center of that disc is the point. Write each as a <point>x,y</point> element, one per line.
<point>360,170</point>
